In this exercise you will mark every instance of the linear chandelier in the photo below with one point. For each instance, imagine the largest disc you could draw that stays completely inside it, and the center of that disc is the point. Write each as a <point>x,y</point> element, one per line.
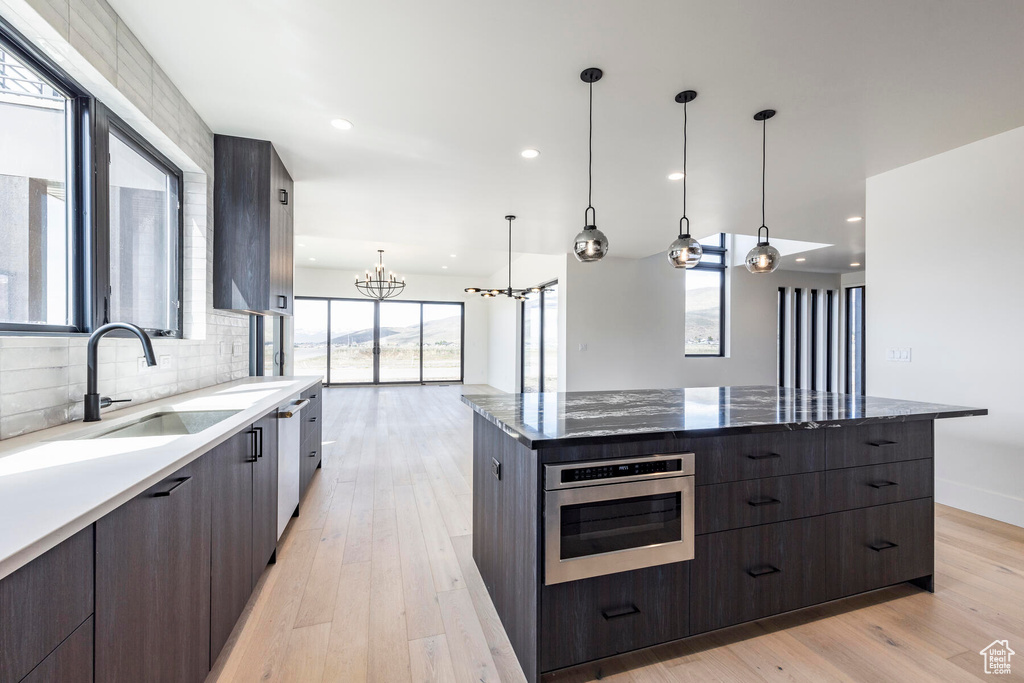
<point>517,294</point>
<point>380,285</point>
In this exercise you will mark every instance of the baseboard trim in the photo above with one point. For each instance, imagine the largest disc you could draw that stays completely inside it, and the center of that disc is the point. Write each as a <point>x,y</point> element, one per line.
<point>980,501</point>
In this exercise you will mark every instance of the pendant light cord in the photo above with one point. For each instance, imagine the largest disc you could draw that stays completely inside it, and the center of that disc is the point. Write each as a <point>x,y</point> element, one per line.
<point>764,156</point>
<point>590,163</point>
<point>510,257</point>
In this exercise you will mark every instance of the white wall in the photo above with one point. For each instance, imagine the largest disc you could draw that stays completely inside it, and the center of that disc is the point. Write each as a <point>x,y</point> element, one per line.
<point>944,277</point>
<point>339,283</point>
<point>629,313</point>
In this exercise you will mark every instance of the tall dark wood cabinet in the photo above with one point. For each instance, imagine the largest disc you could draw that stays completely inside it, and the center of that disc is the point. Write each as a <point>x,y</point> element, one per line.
<point>232,534</point>
<point>153,582</point>
<point>253,228</point>
<point>264,495</point>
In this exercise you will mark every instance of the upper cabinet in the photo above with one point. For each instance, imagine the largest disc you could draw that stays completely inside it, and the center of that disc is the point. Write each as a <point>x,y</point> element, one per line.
<point>252,228</point>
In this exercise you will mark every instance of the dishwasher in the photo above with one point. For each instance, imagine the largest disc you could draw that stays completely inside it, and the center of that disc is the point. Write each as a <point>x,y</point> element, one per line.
<point>288,444</point>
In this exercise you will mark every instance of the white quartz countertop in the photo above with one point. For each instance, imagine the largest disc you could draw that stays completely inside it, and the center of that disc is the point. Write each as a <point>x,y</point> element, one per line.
<point>54,483</point>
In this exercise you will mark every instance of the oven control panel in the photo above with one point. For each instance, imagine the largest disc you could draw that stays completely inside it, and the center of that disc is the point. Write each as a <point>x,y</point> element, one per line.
<point>593,471</point>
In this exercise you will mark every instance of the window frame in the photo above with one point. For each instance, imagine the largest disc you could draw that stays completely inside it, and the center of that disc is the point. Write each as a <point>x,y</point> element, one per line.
<point>721,268</point>
<point>78,190</point>
<point>105,124</point>
<point>522,340</point>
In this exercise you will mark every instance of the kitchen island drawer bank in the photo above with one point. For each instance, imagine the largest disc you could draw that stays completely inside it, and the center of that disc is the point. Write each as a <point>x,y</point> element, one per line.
<point>605,522</point>
<point>149,582</point>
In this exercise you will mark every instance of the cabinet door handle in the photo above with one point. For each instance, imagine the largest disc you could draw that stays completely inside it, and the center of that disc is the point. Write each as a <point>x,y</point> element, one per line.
<point>312,454</point>
<point>282,301</point>
<point>763,501</point>
<point>884,545</point>
<point>164,494</point>
<point>619,612</point>
<point>252,446</point>
<point>882,484</point>
<point>881,444</point>
<point>259,441</point>
<point>764,456</point>
<point>313,419</point>
<point>767,569</point>
<point>284,197</point>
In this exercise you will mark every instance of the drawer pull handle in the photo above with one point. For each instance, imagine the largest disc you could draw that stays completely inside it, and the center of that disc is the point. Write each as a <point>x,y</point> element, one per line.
<point>764,456</point>
<point>763,571</point>
<point>763,501</point>
<point>882,484</point>
<point>884,545</point>
<point>312,454</point>
<point>164,494</point>
<point>313,419</point>
<point>620,612</point>
<point>880,444</point>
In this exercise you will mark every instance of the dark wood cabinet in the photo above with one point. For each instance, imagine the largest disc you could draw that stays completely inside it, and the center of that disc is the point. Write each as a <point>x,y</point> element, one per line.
<point>71,662</point>
<point>857,487</point>
<point>756,456</point>
<point>232,534</point>
<point>879,546</point>
<point>607,615</point>
<point>153,582</point>
<point>874,444</point>
<point>43,603</point>
<point>253,202</point>
<point>719,507</point>
<point>264,495</point>
<point>311,438</point>
<point>751,573</point>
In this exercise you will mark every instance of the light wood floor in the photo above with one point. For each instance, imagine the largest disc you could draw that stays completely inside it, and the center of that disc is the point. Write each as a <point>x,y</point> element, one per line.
<point>375,581</point>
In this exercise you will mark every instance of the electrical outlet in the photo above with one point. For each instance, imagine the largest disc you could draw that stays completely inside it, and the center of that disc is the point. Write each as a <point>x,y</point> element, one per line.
<point>583,347</point>
<point>899,354</point>
<point>164,362</point>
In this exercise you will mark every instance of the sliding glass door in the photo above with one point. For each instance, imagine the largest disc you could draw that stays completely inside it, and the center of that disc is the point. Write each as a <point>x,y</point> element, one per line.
<point>371,342</point>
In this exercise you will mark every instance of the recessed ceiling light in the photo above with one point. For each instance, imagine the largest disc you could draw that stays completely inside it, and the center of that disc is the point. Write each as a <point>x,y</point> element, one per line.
<point>301,244</point>
<point>675,176</point>
<point>854,219</point>
<point>341,124</point>
<point>800,260</point>
<point>452,255</point>
<point>312,259</point>
<point>854,264</point>
<point>530,153</point>
<point>444,267</point>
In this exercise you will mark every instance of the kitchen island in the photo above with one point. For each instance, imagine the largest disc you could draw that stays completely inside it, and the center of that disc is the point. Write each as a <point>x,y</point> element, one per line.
<point>605,522</point>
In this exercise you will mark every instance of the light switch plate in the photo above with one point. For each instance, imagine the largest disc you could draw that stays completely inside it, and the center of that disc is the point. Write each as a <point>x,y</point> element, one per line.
<point>900,354</point>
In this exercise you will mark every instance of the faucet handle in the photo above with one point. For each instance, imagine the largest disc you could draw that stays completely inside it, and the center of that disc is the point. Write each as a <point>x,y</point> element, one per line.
<point>105,401</point>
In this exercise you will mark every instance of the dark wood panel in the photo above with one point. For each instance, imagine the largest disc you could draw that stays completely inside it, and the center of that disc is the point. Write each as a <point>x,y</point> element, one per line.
<point>719,507</point>
<point>857,487</point>
<point>879,443</point>
<point>232,535</point>
<point>879,546</point>
<point>506,535</point>
<point>42,603</point>
<point>241,240</point>
<point>281,239</point>
<point>751,573</point>
<point>71,662</point>
<point>264,496</point>
<point>311,449</point>
<point>607,615</point>
<point>153,582</point>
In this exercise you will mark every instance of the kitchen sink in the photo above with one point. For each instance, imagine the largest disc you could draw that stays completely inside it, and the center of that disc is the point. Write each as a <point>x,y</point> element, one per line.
<point>168,423</point>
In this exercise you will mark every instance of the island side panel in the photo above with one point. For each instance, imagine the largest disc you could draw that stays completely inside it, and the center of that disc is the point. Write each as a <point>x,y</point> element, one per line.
<point>506,538</point>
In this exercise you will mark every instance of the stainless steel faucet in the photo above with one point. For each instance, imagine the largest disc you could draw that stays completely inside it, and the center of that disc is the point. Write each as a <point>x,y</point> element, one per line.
<point>93,401</point>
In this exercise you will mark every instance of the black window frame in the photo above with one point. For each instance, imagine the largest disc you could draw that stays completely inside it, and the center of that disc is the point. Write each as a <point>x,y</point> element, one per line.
<point>522,340</point>
<point>721,268</point>
<point>862,355</point>
<point>78,190</point>
<point>106,123</point>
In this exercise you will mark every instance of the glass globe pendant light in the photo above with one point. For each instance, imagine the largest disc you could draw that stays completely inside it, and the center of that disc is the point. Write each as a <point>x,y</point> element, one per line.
<point>763,258</point>
<point>590,244</point>
<point>685,252</point>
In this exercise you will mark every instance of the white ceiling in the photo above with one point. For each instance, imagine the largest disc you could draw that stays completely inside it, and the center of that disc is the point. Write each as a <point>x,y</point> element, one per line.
<point>445,94</point>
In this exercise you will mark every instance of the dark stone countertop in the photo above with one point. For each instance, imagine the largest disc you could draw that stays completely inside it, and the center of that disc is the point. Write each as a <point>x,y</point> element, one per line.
<point>595,417</point>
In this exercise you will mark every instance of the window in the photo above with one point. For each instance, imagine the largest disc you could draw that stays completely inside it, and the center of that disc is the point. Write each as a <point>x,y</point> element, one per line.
<point>141,227</point>
<point>807,334</point>
<point>705,301</point>
<point>539,343</point>
<point>265,337</point>
<point>855,340</point>
<point>37,196</point>
<point>378,342</point>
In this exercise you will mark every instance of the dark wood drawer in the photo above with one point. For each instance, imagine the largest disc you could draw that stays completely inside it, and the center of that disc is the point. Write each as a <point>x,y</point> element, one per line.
<point>311,425</point>
<point>875,444</point>
<point>879,546</point>
<point>313,393</point>
<point>71,662</point>
<point>858,487</point>
<point>751,573</point>
<point>739,504</point>
<point>42,603</point>
<point>755,456</point>
<point>598,617</point>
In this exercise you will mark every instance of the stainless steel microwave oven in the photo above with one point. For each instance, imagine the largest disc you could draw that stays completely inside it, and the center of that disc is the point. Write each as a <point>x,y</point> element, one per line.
<point>611,516</point>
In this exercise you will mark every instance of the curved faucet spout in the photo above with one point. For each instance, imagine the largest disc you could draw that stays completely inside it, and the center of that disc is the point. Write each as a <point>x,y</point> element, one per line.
<point>92,397</point>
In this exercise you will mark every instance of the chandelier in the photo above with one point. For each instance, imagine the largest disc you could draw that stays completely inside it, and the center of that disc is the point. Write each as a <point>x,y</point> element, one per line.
<point>380,285</point>
<point>517,294</point>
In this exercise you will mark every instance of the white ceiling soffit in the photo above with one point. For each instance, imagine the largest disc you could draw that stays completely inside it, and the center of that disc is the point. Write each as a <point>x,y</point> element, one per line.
<point>445,95</point>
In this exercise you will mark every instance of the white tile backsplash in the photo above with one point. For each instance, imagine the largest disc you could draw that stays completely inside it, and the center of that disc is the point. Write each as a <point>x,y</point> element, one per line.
<point>42,379</point>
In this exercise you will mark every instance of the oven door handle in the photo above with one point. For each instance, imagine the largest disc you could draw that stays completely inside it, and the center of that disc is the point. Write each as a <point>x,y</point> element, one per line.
<point>619,612</point>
